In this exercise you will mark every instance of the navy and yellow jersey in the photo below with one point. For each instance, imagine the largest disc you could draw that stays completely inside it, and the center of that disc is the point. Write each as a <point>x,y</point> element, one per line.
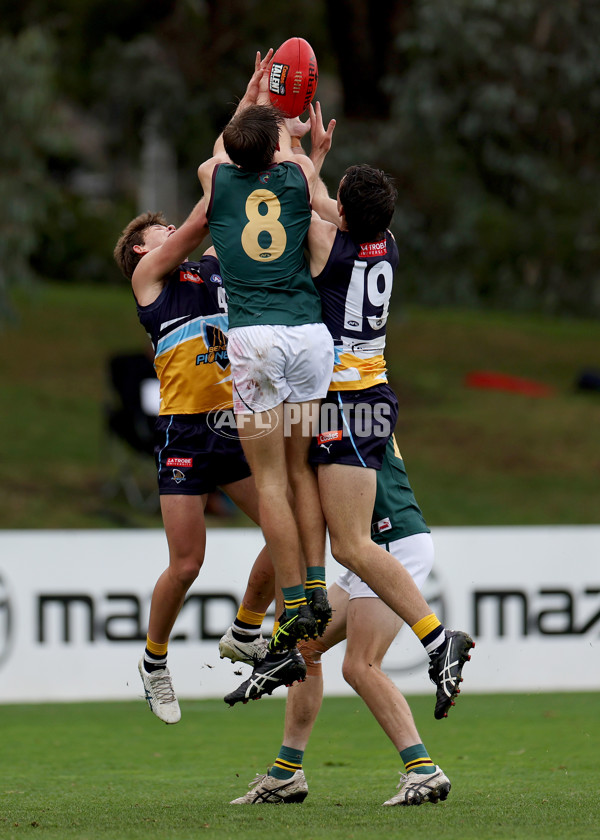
<point>355,288</point>
<point>258,223</point>
<point>187,324</point>
<point>396,513</point>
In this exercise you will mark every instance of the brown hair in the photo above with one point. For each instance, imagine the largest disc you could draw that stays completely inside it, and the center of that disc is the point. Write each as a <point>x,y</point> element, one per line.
<point>368,197</point>
<point>251,137</point>
<point>134,234</point>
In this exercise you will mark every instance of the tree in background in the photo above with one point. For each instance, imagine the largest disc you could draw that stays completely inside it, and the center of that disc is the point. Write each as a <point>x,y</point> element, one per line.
<point>174,67</point>
<point>485,111</point>
<point>492,137</point>
<point>363,37</point>
<point>29,140</point>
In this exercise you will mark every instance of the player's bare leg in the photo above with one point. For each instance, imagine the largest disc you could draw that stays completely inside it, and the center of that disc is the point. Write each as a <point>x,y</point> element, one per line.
<point>347,497</point>
<point>369,627</point>
<point>261,582</point>
<point>304,700</point>
<point>372,627</point>
<point>302,708</point>
<point>423,780</point>
<point>300,426</point>
<point>267,458</point>
<point>183,518</point>
<point>266,454</point>
<point>303,481</point>
<point>244,495</point>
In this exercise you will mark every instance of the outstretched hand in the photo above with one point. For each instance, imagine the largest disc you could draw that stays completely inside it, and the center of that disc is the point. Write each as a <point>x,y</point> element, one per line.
<point>258,86</point>
<point>297,128</point>
<point>320,137</point>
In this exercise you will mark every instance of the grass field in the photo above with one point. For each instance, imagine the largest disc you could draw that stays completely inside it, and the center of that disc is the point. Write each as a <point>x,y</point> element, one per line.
<point>474,457</point>
<point>522,767</point>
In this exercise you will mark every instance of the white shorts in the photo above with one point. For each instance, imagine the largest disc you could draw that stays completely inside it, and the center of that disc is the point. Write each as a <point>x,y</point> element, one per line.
<point>275,364</point>
<point>414,552</point>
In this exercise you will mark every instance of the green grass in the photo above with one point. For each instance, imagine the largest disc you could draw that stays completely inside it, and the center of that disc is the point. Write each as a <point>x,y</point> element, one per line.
<point>521,766</point>
<point>483,457</point>
<point>474,457</point>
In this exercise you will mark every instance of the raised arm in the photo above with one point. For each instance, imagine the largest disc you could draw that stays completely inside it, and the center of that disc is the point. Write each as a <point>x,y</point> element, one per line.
<point>321,139</point>
<point>290,148</point>
<point>156,263</point>
<point>256,92</point>
<point>321,233</point>
<point>321,236</point>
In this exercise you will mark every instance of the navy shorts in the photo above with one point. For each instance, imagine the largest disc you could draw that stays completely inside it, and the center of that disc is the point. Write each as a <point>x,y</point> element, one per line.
<point>193,459</point>
<point>354,427</point>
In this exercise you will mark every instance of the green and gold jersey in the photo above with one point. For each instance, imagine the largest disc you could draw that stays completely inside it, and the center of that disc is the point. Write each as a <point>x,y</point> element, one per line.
<point>258,223</point>
<point>396,513</point>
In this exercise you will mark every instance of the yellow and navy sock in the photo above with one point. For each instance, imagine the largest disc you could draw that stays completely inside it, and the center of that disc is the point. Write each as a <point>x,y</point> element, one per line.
<point>247,624</point>
<point>315,579</point>
<point>287,762</point>
<point>155,656</point>
<point>416,760</point>
<point>293,598</point>
<point>430,632</point>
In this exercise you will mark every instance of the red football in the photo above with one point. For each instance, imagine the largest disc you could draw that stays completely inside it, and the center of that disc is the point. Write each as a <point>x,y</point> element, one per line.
<point>293,77</point>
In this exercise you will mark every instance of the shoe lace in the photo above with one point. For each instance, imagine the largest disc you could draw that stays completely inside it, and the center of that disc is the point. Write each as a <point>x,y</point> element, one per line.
<point>163,688</point>
<point>403,779</point>
<point>420,780</point>
<point>257,646</point>
<point>260,777</point>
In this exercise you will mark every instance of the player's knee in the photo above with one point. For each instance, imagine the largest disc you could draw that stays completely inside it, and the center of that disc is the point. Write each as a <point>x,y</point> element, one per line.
<point>347,552</point>
<point>311,651</point>
<point>186,571</point>
<point>355,672</point>
<point>298,470</point>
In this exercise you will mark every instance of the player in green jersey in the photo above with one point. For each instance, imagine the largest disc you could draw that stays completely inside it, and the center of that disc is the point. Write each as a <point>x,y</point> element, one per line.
<point>357,260</point>
<point>257,195</point>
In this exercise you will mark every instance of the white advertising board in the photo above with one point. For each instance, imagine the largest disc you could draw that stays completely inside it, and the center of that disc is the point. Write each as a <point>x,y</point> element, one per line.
<point>74,608</point>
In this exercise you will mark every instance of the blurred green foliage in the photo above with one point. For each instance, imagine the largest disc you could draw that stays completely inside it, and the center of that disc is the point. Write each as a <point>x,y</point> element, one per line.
<point>485,111</point>
<point>29,138</point>
<point>493,142</point>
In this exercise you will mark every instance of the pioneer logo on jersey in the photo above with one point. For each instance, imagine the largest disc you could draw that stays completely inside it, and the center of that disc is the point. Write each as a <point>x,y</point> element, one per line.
<point>216,347</point>
<point>382,525</point>
<point>329,437</point>
<point>373,249</point>
<point>188,277</point>
<point>178,476</point>
<point>277,78</point>
<point>180,462</point>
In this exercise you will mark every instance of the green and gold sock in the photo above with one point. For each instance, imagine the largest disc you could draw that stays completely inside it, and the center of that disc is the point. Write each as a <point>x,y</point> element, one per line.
<point>315,579</point>
<point>416,760</point>
<point>287,762</point>
<point>293,598</point>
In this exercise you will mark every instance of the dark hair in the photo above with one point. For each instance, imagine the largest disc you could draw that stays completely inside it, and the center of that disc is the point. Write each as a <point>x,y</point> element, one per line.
<point>368,197</point>
<point>134,234</point>
<point>252,135</point>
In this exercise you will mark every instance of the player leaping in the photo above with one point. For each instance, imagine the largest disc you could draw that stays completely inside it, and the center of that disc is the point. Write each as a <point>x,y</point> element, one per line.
<point>353,258</point>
